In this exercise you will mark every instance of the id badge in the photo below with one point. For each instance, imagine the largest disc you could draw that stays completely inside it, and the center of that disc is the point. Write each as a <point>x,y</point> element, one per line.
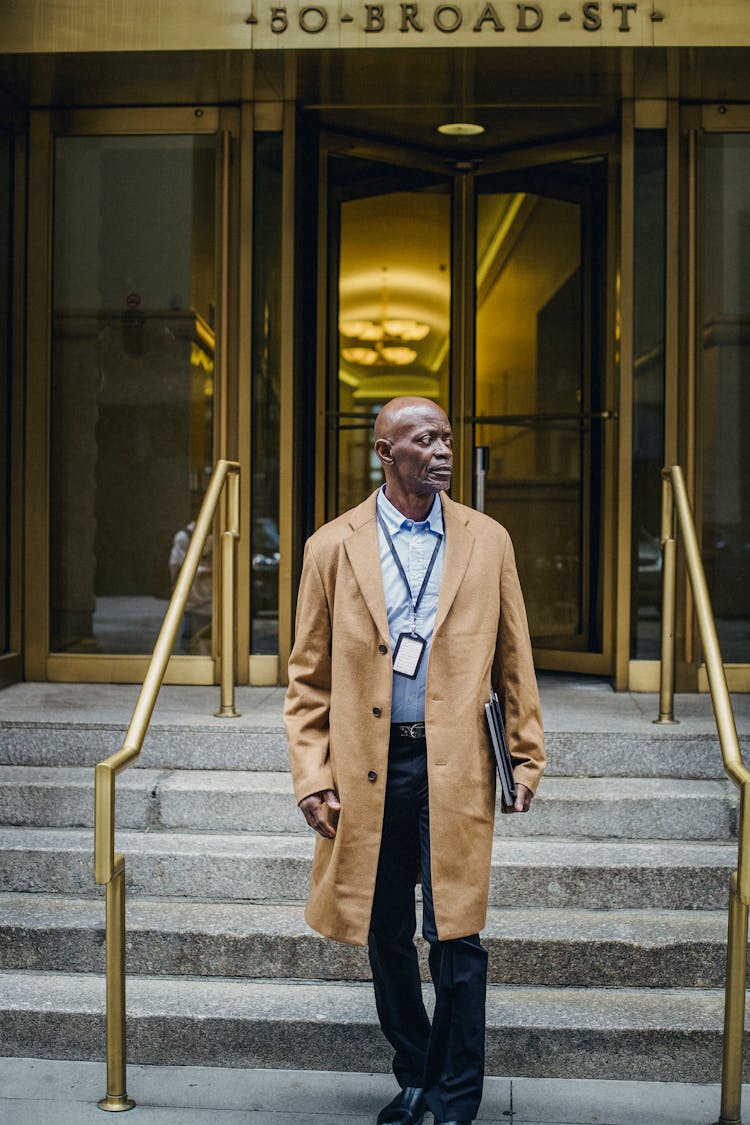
<point>408,653</point>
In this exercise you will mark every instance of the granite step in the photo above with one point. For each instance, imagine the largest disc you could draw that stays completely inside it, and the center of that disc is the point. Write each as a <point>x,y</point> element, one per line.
<point>586,948</point>
<point>658,1034</point>
<point>209,744</point>
<point>230,801</point>
<point>548,872</point>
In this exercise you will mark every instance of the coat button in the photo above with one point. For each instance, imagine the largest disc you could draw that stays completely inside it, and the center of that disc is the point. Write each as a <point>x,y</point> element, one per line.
<point>383,649</point>
<point>372,775</point>
<point>377,712</point>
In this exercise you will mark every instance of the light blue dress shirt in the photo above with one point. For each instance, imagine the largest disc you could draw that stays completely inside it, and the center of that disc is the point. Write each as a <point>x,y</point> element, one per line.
<point>414,543</point>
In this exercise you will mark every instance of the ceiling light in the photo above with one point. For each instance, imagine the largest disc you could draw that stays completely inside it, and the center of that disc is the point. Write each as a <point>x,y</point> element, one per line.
<point>398,356</point>
<point>460,129</point>
<point>363,356</point>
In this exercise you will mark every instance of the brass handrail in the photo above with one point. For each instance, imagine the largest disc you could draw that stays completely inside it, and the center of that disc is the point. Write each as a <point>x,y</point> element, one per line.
<point>109,866</point>
<point>675,501</point>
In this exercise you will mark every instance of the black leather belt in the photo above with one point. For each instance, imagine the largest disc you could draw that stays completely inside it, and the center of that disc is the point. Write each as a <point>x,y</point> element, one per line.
<point>407,730</point>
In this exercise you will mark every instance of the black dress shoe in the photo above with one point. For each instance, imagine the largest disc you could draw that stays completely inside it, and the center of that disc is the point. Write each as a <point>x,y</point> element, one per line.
<point>407,1108</point>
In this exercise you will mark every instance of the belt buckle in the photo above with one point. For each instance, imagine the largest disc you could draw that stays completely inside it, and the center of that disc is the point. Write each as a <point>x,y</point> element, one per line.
<point>409,730</point>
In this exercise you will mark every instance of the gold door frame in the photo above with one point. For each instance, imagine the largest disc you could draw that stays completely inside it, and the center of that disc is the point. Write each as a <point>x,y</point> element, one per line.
<point>11,663</point>
<point>462,344</point>
<point>697,121</point>
<point>44,126</point>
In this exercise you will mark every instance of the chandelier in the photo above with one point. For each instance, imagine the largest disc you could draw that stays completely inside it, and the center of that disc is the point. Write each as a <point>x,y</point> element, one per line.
<point>384,341</point>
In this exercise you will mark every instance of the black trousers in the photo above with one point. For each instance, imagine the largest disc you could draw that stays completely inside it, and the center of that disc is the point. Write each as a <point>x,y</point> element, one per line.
<point>446,1057</point>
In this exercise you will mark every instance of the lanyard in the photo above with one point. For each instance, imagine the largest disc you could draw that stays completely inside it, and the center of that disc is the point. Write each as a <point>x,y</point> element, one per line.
<point>414,604</point>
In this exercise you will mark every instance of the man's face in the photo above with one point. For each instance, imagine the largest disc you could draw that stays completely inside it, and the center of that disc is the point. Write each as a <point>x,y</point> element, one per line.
<point>419,454</point>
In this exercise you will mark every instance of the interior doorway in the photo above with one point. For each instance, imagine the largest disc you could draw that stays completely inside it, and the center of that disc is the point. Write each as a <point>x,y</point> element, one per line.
<point>486,287</point>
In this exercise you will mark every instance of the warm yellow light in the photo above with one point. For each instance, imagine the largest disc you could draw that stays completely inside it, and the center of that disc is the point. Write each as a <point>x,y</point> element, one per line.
<point>394,328</point>
<point>460,129</point>
<point>405,329</point>
<point>398,356</point>
<point>368,330</point>
<point>363,356</point>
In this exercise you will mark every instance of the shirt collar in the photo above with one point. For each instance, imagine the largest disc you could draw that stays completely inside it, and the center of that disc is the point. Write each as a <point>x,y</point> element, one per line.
<point>396,520</point>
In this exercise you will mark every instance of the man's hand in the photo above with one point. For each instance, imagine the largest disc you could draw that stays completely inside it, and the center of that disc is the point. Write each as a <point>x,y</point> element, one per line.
<point>522,801</point>
<point>313,810</point>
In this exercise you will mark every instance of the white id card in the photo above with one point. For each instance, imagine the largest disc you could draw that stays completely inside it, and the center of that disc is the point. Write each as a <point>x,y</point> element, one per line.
<point>408,653</point>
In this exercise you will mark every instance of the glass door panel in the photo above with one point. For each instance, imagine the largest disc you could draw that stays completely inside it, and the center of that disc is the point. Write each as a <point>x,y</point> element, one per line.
<point>538,396</point>
<point>134,301</point>
<point>390,306</point>
<point>724,405</point>
<point>6,151</point>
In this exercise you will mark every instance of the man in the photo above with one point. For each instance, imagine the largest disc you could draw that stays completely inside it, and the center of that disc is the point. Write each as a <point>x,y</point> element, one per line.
<point>409,611</point>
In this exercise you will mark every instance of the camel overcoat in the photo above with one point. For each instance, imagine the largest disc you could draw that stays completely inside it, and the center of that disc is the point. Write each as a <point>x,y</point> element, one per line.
<point>337,712</point>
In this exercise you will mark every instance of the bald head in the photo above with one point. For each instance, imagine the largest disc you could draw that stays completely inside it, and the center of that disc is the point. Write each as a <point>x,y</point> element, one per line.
<point>414,442</point>
<point>403,408</point>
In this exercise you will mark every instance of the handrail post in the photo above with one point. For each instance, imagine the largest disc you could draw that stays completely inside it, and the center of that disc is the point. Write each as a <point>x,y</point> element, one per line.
<point>116,1099</point>
<point>228,623</point>
<point>668,603</point>
<point>734,1010</point>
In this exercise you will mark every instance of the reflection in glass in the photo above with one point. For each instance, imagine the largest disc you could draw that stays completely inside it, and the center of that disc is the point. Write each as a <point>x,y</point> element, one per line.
<point>394,317</point>
<point>132,386</point>
<point>648,390</point>
<point>266,390</point>
<point>530,379</point>
<point>5,383</point>
<point>724,409</point>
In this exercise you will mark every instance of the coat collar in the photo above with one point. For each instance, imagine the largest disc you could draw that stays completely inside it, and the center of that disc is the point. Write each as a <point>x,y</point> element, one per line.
<point>363,553</point>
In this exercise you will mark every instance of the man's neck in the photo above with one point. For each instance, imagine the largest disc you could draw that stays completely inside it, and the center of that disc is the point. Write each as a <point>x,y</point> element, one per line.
<point>412,507</point>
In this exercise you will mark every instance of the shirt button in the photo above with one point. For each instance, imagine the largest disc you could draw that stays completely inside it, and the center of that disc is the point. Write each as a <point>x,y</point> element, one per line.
<point>383,649</point>
<point>372,776</point>
<point>377,712</point>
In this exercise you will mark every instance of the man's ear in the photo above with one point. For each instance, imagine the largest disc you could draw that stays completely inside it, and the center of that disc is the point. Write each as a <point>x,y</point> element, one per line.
<point>383,451</point>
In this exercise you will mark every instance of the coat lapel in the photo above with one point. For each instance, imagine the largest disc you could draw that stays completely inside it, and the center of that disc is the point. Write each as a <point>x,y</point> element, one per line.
<point>459,544</point>
<point>363,552</point>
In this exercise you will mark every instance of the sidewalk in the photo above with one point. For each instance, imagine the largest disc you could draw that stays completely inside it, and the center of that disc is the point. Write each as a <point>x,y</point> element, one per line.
<point>43,1092</point>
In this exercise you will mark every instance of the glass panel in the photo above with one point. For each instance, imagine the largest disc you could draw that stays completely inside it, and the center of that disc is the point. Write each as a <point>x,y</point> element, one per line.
<point>648,390</point>
<point>394,317</point>
<point>264,602</point>
<point>6,153</point>
<point>530,379</point>
<point>724,408</point>
<point>132,386</point>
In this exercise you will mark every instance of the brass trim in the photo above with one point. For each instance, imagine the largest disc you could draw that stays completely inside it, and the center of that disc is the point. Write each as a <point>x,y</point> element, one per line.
<point>36,453</point>
<point>138,121</point>
<point>675,504</point>
<point>462,338</point>
<point>624,334</point>
<point>109,867</point>
<point>725,118</point>
<point>289,444</point>
<point>691,406</point>
<point>738,677</point>
<point>610,357</point>
<point>650,113</point>
<point>264,670</point>
<point>107,669</point>
<point>242,308</point>
<point>672,285</point>
<point>643,675</point>
<point>559,660</point>
<point>324,464</point>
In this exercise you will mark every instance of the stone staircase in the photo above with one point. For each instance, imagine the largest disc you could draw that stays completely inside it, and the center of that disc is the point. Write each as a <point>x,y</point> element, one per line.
<point>607,913</point>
